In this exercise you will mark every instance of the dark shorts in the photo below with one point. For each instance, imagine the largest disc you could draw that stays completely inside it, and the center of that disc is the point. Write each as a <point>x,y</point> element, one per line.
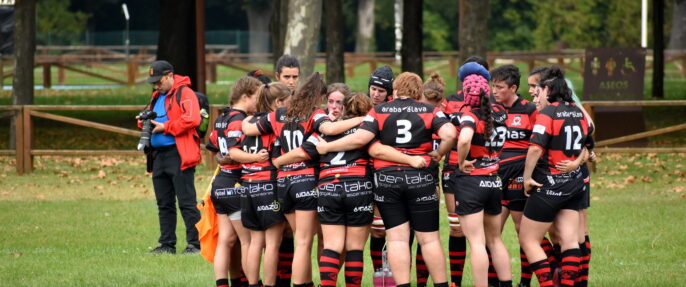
<point>345,201</point>
<point>407,195</point>
<point>511,174</point>
<point>298,192</point>
<point>226,193</point>
<point>477,193</point>
<point>565,191</point>
<point>261,208</point>
<point>448,183</point>
<point>586,174</point>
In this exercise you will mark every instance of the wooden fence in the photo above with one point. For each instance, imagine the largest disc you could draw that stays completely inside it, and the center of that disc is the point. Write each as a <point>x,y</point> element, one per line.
<point>24,115</point>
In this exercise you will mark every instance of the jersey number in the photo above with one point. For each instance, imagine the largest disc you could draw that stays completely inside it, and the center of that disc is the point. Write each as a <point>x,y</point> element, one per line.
<point>338,159</point>
<point>404,135</point>
<point>223,147</point>
<point>294,139</point>
<point>570,131</point>
<point>251,149</point>
<point>498,136</point>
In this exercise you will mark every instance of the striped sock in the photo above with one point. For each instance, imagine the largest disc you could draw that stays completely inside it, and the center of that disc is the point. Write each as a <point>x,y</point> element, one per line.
<point>588,247</point>
<point>422,271</point>
<point>525,278</point>
<point>286,250</point>
<point>329,265</point>
<point>354,268</point>
<point>582,279</point>
<point>570,267</point>
<point>236,282</point>
<point>224,282</point>
<point>549,252</point>
<point>543,272</point>
<point>376,251</point>
<point>492,275</point>
<point>457,252</point>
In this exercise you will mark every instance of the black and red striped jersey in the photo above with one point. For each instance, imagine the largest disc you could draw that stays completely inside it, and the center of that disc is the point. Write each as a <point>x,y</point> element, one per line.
<point>291,134</point>
<point>406,125</point>
<point>453,107</point>
<point>253,144</point>
<point>486,151</point>
<point>227,134</point>
<point>521,117</point>
<point>343,163</point>
<point>561,130</point>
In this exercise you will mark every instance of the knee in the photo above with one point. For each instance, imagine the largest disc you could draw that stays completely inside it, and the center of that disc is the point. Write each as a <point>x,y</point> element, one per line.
<point>378,233</point>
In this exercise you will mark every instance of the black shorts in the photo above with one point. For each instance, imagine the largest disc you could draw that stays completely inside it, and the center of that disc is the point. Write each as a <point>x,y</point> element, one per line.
<point>226,192</point>
<point>448,183</point>
<point>345,201</point>
<point>477,193</point>
<point>586,174</point>
<point>407,195</point>
<point>261,208</point>
<point>511,174</point>
<point>563,191</point>
<point>297,192</point>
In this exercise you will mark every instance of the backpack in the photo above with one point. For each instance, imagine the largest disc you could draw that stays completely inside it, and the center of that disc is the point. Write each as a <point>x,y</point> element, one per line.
<point>204,110</point>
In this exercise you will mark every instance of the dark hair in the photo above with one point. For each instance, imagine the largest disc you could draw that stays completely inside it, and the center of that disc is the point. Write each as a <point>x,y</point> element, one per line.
<point>343,88</point>
<point>306,98</point>
<point>488,117</point>
<point>479,60</point>
<point>258,74</point>
<point>357,105</point>
<point>287,61</point>
<point>268,94</point>
<point>244,86</point>
<point>554,79</point>
<point>538,70</point>
<point>508,74</point>
<point>434,88</point>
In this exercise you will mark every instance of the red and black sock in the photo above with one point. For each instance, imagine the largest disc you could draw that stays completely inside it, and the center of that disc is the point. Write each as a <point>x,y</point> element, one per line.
<point>507,283</point>
<point>422,271</point>
<point>244,279</point>
<point>525,279</point>
<point>588,247</point>
<point>354,268</point>
<point>376,251</point>
<point>549,252</point>
<point>329,265</point>
<point>236,282</point>
<point>492,275</point>
<point>224,282</point>
<point>557,256</point>
<point>582,279</point>
<point>457,252</point>
<point>286,250</point>
<point>304,285</point>
<point>570,267</point>
<point>543,272</point>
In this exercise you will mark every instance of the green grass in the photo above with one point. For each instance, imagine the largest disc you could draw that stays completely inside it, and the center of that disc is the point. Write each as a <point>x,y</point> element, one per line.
<point>89,221</point>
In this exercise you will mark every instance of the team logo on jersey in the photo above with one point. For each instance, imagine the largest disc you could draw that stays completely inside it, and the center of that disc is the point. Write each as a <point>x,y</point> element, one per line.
<point>539,129</point>
<point>467,119</point>
<point>234,134</point>
<point>517,121</point>
<point>369,118</point>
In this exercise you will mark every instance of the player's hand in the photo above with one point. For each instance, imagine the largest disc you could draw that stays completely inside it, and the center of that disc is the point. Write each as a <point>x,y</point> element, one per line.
<point>529,185</point>
<point>277,163</point>
<point>159,127</point>
<point>262,155</point>
<point>566,166</point>
<point>322,146</point>
<point>467,166</point>
<point>417,162</point>
<point>435,156</point>
<point>592,157</point>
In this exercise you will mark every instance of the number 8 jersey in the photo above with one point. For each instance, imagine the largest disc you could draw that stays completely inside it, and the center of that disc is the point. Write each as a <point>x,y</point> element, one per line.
<point>405,124</point>
<point>561,130</point>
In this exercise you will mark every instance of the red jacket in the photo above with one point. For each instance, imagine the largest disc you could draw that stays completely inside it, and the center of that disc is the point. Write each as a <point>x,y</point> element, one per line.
<point>184,117</point>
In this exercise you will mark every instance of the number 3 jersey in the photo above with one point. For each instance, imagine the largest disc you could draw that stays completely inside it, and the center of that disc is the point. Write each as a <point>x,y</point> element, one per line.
<point>227,134</point>
<point>486,151</point>
<point>405,124</point>
<point>561,130</point>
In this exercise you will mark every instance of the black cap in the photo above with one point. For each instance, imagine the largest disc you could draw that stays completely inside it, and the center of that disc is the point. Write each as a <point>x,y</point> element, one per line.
<point>159,69</point>
<point>382,77</point>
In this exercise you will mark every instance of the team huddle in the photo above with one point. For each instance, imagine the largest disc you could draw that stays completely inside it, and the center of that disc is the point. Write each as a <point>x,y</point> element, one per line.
<point>373,166</point>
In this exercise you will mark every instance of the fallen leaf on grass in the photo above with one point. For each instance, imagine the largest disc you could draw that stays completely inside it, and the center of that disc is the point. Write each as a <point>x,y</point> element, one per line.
<point>683,195</point>
<point>613,172</point>
<point>100,187</point>
<point>623,167</point>
<point>40,196</point>
<point>595,198</point>
<point>638,163</point>
<point>630,179</point>
<point>101,174</point>
<point>646,179</point>
<point>17,254</point>
<point>5,193</point>
<point>144,191</point>
<point>63,173</point>
<point>678,189</point>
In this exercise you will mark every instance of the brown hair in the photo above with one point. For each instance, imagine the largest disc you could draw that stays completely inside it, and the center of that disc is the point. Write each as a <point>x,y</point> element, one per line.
<point>268,94</point>
<point>434,88</point>
<point>408,85</point>
<point>357,105</point>
<point>244,86</point>
<point>343,88</point>
<point>306,98</point>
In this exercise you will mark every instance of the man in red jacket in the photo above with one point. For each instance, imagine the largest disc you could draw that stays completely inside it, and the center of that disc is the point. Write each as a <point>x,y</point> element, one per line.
<point>175,153</point>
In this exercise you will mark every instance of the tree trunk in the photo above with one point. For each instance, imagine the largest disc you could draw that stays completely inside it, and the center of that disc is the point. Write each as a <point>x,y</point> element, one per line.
<point>677,38</point>
<point>412,37</point>
<point>258,21</point>
<point>278,27</point>
<point>658,48</point>
<point>472,28</point>
<point>398,25</point>
<point>302,36</point>
<point>24,51</point>
<point>334,41</point>
<point>177,40</point>
<point>364,39</point>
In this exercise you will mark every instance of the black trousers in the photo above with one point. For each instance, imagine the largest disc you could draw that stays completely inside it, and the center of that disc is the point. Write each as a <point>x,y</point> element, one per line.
<point>170,183</point>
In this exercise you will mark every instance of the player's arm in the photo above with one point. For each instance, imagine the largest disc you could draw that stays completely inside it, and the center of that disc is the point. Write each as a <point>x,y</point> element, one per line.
<point>447,133</point>
<point>238,155</point>
<point>250,127</point>
<point>532,156</point>
<point>464,143</point>
<point>353,141</point>
<point>389,153</point>
<point>338,127</point>
<point>566,166</point>
<point>296,155</point>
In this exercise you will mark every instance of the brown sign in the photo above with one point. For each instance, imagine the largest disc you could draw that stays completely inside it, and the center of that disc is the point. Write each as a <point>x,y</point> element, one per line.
<point>612,74</point>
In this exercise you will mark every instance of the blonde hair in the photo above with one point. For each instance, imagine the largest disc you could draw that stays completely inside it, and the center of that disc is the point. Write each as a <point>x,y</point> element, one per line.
<point>269,93</point>
<point>357,104</point>
<point>434,88</point>
<point>408,85</point>
<point>244,86</point>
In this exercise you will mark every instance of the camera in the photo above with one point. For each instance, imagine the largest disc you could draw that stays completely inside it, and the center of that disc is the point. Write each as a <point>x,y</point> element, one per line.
<point>146,116</point>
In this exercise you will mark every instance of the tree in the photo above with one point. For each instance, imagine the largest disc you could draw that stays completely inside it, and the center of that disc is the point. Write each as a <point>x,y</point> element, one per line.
<point>411,51</point>
<point>334,41</point>
<point>302,34</point>
<point>58,25</point>
<point>177,41</point>
<point>472,28</point>
<point>677,38</point>
<point>278,26</point>
<point>259,14</point>
<point>24,50</point>
<point>365,26</point>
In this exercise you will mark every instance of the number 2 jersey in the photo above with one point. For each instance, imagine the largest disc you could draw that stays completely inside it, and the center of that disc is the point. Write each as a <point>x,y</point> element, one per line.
<point>352,163</point>
<point>227,134</point>
<point>486,151</point>
<point>561,130</point>
<point>406,125</point>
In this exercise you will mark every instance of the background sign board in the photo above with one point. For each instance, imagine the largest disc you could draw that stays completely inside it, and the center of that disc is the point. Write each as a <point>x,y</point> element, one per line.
<point>614,74</point>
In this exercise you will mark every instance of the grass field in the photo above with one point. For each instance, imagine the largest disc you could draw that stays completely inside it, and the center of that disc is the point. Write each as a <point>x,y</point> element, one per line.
<point>89,222</point>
